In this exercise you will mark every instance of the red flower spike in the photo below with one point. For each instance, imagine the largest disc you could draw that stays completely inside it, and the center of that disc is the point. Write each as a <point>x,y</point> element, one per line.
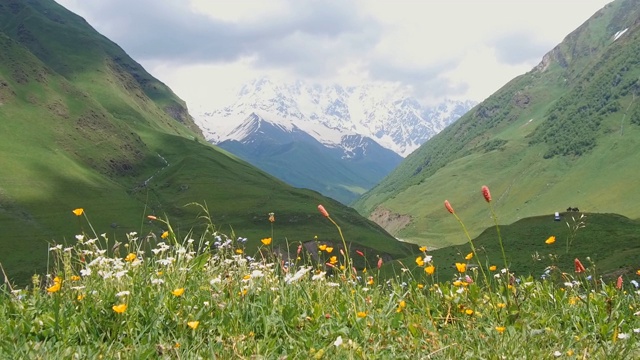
<point>379,263</point>
<point>330,265</point>
<point>359,253</point>
<point>486,193</point>
<point>448,206</point>
<point>323,211</point>
<point>151,217</point>
<point>578,265</point>
<point>619,283</point>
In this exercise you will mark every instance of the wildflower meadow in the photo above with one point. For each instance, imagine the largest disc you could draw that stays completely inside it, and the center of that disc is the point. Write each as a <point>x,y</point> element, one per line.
<point>207,296</point>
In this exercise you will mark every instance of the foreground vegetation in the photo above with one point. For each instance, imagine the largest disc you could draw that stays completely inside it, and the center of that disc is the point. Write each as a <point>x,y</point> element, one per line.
<point>162,296</point>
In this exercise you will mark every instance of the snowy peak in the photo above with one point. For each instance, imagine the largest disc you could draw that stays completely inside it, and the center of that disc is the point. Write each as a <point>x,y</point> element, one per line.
<point>257,128</point>
<point>385,113</point>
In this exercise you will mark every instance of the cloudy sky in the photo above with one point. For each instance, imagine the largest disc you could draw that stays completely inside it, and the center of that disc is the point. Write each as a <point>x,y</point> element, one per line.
<point>457,49</point>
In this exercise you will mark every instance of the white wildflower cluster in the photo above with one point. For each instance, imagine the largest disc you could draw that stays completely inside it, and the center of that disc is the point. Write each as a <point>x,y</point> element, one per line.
<point>161,247</point>
<point>298,275</point>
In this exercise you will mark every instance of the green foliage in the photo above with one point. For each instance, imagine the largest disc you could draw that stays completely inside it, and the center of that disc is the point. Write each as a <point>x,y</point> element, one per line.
<point>574,122</point>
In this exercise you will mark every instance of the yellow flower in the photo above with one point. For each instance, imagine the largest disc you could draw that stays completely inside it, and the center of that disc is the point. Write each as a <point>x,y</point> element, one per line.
<point>573,300</point>
<point>462,267</point>
<point>333,260</point>
<point>501,305</point>
<point>422,248</point>
<point>420,286</point>
<point>57,284</point>
<point>500,329</point>
<point>329,249</point>
<point>361,314</point>
<point>80,297</point>
<point>75,278</point>
<point>550,240</point>
<point>130,257</point>
<point>468,312</point>
<point>469,256</point>
<point>78,212</point>
<point>370,281</point>
<point>239,251</point>
<point>430,269</point>
<point>243,292</point>
<point>246,277</point>
<point>193,324</point>
<point>364,270</point>
<point>419,261</point>
<point>638,272</point>
<point>119,308</point>
<point>493,268</point>
<point>178,292</point>
<point>165,235</point>
<point>457,283</point>
<point>401,305</point>
<point>322,247</point>
<point>266,241</point>
<point>55,287</point>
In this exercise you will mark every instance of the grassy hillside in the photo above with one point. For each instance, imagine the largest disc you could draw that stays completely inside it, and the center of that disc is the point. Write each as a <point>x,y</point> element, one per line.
<point>563,135</point>
<point>610,241</point>
<point>83,125</point>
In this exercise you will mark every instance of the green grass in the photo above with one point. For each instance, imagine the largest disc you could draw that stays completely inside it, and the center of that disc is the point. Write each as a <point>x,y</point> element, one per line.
<point>165,296</point>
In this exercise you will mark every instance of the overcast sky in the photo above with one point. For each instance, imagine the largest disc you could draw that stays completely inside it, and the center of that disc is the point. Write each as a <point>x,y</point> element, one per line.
<point>457,49</point>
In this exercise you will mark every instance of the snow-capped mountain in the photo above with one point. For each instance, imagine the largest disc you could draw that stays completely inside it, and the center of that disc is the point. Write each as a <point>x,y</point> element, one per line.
<point>342,171</point>
<point>339,141</point>
<point>384,113</point>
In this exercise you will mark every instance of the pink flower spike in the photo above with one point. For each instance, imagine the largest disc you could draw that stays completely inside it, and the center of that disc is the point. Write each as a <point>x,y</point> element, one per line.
<point>323,211</point>
<point>619,283</point>
<point>379,263</point>
<point>448,206</point>
<point>359,253</point>
<point>486,193</point>
<point>578,265</point>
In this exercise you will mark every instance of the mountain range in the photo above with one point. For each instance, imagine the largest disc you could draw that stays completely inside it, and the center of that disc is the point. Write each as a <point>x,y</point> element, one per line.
<point>338,140</point>
<point>83,125</point>
<point>563,136</point>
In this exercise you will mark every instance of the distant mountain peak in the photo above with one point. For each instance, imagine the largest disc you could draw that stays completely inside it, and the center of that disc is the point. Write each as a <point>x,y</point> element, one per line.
<point>382,112</point>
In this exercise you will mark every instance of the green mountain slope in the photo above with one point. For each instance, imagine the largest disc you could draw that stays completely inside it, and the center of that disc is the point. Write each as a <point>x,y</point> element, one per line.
<point>84,125</point>
<point>563,135</point>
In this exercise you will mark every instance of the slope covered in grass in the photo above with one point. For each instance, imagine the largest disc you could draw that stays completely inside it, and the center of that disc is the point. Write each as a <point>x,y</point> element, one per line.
<point>82,125</point>
<point>563,135</point>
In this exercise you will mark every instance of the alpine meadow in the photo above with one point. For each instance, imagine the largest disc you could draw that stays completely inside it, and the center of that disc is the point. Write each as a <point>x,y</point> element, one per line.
<point>512,234</point>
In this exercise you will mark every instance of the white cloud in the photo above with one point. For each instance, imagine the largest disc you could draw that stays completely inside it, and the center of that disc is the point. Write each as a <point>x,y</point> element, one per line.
<point>462,49</point>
